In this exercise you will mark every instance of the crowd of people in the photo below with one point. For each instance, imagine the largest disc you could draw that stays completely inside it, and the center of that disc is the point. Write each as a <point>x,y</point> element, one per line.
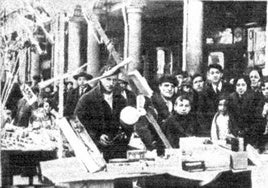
<point>183,105</point>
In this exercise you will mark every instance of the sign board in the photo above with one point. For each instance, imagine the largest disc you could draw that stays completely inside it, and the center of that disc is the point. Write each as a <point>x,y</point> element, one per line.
<point>28,94</point>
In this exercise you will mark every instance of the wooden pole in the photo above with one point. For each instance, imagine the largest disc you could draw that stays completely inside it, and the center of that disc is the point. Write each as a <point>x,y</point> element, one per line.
<point>184,40</point>
<point>61,62</point>
<point>125,32</point>
<point>265,70</point>
<point>56,50</point>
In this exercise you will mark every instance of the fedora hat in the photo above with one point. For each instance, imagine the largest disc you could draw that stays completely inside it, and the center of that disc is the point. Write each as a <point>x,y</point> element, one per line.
<point>83,74</point>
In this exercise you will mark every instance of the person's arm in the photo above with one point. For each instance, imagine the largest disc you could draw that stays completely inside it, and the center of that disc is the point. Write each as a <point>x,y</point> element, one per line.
<point>213,131</point>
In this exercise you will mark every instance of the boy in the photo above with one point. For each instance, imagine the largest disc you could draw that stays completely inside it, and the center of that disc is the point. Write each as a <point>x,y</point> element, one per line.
<point>182,123</point>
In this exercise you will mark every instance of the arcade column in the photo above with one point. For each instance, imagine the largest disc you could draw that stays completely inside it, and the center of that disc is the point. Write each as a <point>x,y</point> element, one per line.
<point>134,15</point>
<point>35,64</point>
<point>194,24</point>
<point>76,40</point>
<point>93,48</point>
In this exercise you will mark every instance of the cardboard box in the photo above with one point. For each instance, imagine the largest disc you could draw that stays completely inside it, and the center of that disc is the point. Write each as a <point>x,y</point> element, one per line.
<point>239,160</point>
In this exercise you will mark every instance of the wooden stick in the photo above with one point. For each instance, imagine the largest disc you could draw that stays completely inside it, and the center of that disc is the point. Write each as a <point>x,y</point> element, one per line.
<point>61,63</point>
<point>112,71</point>
<point>126,28</point>
<point>164,139</point>
<point>66,75</point>
<point>9,82</point>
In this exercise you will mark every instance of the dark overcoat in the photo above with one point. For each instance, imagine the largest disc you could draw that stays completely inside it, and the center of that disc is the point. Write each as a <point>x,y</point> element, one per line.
<point>98,118</point>
<point>72,99</point>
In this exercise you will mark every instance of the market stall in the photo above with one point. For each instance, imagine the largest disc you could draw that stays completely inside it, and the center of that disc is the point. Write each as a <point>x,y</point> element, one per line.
<point>152,171</point>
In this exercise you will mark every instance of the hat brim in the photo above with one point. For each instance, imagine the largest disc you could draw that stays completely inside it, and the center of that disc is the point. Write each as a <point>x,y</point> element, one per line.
<point>87,76</point>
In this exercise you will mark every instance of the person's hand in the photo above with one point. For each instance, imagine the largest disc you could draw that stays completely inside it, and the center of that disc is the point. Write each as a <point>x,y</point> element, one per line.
<point>104,140</point>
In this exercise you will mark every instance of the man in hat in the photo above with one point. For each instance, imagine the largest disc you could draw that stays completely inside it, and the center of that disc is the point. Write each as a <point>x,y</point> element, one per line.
<point>164,98</point>
<point>163,101</point>
<point>128,95</point>
<point>75,94</point>
<point>36,80</point>
<point>99,111</point>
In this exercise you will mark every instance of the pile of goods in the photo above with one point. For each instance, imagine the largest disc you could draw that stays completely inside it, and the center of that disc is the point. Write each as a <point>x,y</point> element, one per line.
<point>18,138</point>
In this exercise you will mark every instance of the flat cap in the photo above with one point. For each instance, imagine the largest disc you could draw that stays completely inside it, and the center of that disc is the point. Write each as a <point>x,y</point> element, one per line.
<point>83,74</point>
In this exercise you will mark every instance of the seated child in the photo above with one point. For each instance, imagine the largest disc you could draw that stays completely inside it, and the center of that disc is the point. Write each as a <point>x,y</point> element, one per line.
<point>42,117</point>
<point>222,122</point>
<point>182,123</point>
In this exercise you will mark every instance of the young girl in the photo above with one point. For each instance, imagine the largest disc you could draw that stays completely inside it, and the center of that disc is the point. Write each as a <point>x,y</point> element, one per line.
<point>222,122</point>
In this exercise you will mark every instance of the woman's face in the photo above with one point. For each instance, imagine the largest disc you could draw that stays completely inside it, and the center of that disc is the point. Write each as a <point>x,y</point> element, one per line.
<point>222,106</point>
<point>241,86</point>
<point>254,78</point>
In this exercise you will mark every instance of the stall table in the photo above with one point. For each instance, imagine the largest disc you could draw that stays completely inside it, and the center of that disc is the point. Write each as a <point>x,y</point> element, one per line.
<point>70,173</point>
<point>25,162</point>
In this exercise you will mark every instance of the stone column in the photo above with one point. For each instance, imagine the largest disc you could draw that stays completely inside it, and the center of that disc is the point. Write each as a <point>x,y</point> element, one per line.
<point>22,65</point>
<point>35,64</point>
<point>265,70</point>
<point>76,27</point>
<point>194,36</point>
<point>93,49</point>
<point>134,14</point>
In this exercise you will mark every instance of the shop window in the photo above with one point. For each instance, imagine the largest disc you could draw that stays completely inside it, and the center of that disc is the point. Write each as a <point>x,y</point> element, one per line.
<point>216,58</point>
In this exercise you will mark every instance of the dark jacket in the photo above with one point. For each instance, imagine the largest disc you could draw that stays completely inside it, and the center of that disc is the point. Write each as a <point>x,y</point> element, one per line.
<point>161,107</point>
<point>98,118</point>
<point>208,105</point>
<point>131,98</point>
<point>243,109</point>
<point>24,113</point>
<point>178,126</point>
<point>72,99</point>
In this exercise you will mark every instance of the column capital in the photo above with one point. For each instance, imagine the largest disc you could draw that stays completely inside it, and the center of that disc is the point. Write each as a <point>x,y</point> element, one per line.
<point>135,5</point>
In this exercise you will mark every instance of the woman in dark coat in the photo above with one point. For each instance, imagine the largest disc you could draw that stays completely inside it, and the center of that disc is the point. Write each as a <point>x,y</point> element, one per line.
<point>242,107</point>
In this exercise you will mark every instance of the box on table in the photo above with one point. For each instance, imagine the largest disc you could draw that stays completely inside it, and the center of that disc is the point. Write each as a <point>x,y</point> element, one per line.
<point>135,154</point>
<point>239,160</point>
<point>199,149</point>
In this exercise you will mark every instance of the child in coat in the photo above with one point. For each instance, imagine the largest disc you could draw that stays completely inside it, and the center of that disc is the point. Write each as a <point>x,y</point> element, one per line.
<point>182,123</point>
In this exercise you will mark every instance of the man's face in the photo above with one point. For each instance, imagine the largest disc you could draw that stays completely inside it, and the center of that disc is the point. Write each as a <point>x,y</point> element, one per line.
<point>182,107</point>
<point>47,89</point>
<point>265,90</point>
<point>69,86</point>
<point>254,78</point>
<point>198,84</point>
<point>215,75</point>
<point>81,81</point>
<point>109,83</point>
<point>179,78</point>
<point>122,84</point>
<point>167,89</point>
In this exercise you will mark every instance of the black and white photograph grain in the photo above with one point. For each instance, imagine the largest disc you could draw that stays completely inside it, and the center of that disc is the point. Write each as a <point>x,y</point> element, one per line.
<point>133,94</point>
